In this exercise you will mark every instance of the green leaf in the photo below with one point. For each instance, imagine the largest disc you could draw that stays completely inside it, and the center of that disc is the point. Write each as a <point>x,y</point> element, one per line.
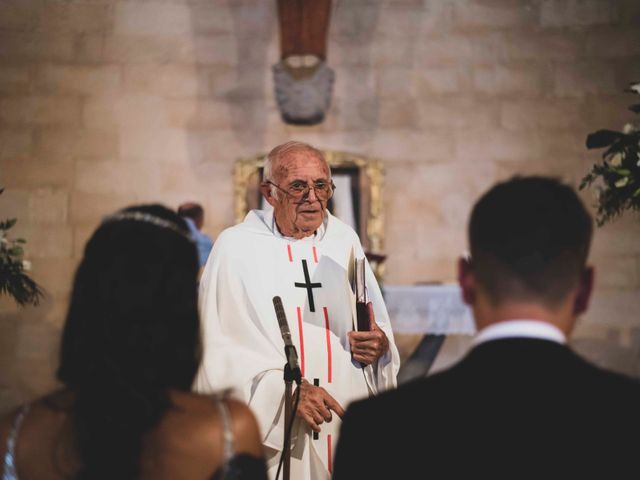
<point>7,224</point>
<point>603,138</point>
<point>16,251</point>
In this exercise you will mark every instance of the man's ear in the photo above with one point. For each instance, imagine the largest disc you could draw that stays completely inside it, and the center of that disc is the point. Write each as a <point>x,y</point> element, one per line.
<point>265,189</point>
<point>466,280</point>
<point>585,288</point>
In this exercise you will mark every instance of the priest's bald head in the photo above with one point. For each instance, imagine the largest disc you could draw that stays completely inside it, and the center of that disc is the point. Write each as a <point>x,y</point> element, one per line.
<point>297,183</point>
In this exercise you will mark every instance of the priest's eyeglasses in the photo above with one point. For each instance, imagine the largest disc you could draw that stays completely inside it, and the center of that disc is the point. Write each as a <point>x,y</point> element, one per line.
<point>299,190</point>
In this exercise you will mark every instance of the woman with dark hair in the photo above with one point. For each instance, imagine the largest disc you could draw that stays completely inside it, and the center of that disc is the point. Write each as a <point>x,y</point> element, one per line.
<point>130,351</point>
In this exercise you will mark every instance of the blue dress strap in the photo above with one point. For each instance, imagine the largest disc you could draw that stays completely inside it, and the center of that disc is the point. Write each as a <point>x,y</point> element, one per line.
<point>9,470</point>
<point>227,433</point>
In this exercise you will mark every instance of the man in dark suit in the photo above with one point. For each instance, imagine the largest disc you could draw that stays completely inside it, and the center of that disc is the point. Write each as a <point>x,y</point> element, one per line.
<point>521,403</point>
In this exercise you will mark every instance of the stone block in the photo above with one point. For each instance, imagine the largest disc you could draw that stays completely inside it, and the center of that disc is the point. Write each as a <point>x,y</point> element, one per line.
<point>204,146</point>
<point>614,308</point>
<point>29,173</point>
<point>16,144</point>
<point>36,355</point>
<point>54,275</point>
<point>16,16</point>
<point>40,110</point>
<point>14,203</point>
<point>575,14</point>
<point>619,237</point>
<point>402,21</point>
<point>146,49</point>
<point>616,271</point>
<point>153,19</point>
<point>438,80</point>
<point>231,83</point>
<point>48,241</point>
<point>195,181</point>
<point>472,48</point>
<point>14,80</point>
<point>393,52</point>
<point>355,84</point>
<point>581,79</point>
<point>460,113</point>
<point>78,80</point>
<point>344,52</point>
<point>352,114</point>
<point>89,48</point>
<point>541,114</point>
<point>389,82</point>
<point>608,112</point>
<point>563,144</point>
<point>48,206</point>
<point>504,80</point>
<point>492,144</point>
<point>210,20</point>
<point>253,19</point>
<point>405,144</point>
<point>116,178</point>
<point>56,313</point>
<point>477,14</point>
<point>89,17</point>
<point>88,208</point>
<point>543,46</point>
<point>618,43</point>
<point>101,112</point>
<point>55,144</point>
<point>225,50</point>
<point>27,46</point>
<point>168,81</point>
<point>124,111</point>
<point>398,114</point>
<point>164,144</point>
<point>355,23</point>
<point>197,113</point>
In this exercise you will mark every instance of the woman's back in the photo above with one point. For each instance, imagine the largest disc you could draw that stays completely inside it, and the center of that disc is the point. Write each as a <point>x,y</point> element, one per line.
<point>188,442</point>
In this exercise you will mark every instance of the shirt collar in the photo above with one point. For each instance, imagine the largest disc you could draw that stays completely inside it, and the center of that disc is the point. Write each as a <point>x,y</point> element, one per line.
<point>521,328</point>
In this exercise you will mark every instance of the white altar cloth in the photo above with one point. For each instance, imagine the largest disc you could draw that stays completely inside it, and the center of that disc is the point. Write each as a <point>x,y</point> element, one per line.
<point>435,309</point>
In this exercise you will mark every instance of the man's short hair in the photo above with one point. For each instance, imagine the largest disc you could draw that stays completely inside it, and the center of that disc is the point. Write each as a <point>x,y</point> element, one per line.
<point>529,240</point>
<point>192,210</point>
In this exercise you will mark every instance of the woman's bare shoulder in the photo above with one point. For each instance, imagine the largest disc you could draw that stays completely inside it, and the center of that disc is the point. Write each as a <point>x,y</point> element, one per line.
<point>246,432</point>
<point>201,415</point>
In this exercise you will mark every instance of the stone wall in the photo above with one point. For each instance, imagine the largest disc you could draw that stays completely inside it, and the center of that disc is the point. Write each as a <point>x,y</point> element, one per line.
<point>104,103</point>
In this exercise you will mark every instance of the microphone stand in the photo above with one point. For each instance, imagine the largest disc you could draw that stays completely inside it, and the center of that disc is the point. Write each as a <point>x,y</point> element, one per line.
<point>291,374</point>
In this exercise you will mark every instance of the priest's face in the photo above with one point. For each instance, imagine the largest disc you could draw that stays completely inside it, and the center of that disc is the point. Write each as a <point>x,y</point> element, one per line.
<point>299,209</point>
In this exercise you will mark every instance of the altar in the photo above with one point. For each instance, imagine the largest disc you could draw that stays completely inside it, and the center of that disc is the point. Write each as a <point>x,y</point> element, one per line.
<point>432,311</point>
<point>435,309</point>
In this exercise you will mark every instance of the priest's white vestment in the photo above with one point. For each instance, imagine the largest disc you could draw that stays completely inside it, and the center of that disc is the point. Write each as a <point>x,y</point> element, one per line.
<point>243,348</point>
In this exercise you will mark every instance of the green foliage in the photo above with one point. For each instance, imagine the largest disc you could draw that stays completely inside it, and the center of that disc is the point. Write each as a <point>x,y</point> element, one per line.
<point>617,177</point>
<point>13,279</point>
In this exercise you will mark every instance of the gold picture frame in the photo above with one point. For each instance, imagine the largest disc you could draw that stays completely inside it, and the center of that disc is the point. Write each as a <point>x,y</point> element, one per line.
<point>367,179</point>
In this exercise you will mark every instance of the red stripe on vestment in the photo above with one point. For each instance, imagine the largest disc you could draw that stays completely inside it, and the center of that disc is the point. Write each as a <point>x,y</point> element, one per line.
<point>329,453</point>
<point>289,251</point>
<point>328,334</point>
<point>301,342</point>
<point>315,255</point>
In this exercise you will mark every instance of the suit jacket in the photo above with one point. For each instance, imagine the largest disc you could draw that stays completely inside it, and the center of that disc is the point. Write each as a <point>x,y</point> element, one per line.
<point>511,408</point>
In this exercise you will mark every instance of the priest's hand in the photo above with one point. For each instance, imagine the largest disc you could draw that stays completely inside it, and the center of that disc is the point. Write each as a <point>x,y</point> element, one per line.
<point>367,347</point>
<point>315,405</point>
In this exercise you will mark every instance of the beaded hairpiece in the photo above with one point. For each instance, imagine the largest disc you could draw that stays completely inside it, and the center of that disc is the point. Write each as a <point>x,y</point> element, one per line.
<point>148,218</point>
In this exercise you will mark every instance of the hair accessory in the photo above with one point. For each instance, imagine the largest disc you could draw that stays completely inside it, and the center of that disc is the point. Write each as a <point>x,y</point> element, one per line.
<point>148,218</point>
